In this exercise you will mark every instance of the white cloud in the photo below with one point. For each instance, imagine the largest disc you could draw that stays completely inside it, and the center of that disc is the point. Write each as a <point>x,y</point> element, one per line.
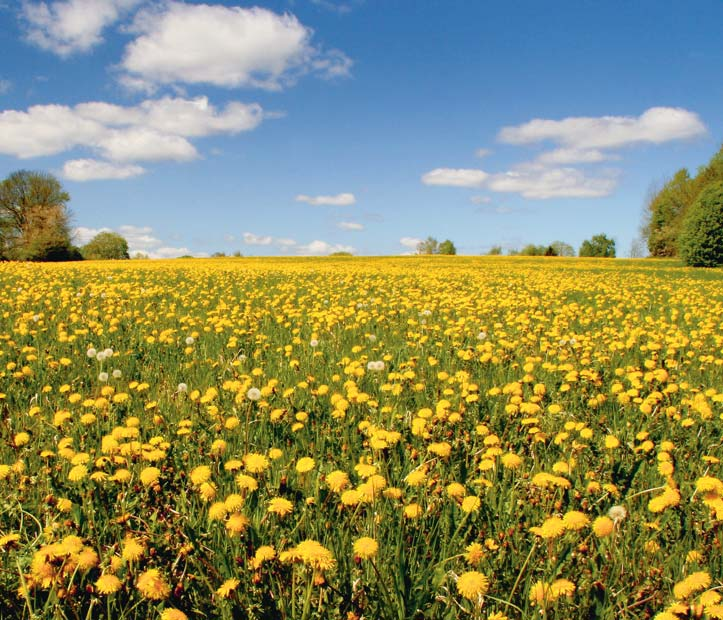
<point>480,200</point>
<point>252,239</point>
<point>92,170</point>
<point>563,156</point>
<point>68,26</point>
<point>483,152</point>
<point>140,240</point>
<point>655,125</point>
<point>455,177</point>
<point>340,200</point>
<point>5,86</point>
<point>224,46</point>
<point>540,182</point>
<point>285,242</point>
<point>350,226</point>
<point>82,234</point>
<point>318,248</point>
<point>156,129</point>
<point>410,242</point>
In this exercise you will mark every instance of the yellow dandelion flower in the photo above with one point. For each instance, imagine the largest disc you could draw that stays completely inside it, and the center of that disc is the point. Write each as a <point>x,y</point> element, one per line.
<point>511,460</point>
<point>474,553</point>
<point>173,614</point>
<point>246,483</point>
<point>473,585</point>
<point>305,465</point>
<point>352,497</point>
<point>200,474</point>
<point>471,503</point>
<point>280,506</point>
<point>207,491</point>
<point>692,583</point>
<point>133,549</point>
<point>455,490</point>
<point>255,463</point>
<point>551,528</point>
<point>78,473</point>
<point>575,520</point>
<point>413,511</point>
<point>315,555</point>
<point>562,587</point>
<point>108,584</point>
<point>9,539</point>
<point>233,502</point>
<point>540,593</point>
<point>366,547</point>
<point>603,526</point>
<point>152,585</point>
<point>227,587</point>
<point>150,475</point>
<point>337,481</point>
<point>263,554</point>
<point>237,523</point>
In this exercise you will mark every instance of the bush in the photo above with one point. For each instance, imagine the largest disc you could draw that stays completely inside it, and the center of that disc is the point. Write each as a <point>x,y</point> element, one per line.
<point>106,246</point>
<point>701,239</point>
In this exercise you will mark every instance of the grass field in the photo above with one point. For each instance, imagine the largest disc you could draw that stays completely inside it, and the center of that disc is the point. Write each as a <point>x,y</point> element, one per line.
<point>361,438</point>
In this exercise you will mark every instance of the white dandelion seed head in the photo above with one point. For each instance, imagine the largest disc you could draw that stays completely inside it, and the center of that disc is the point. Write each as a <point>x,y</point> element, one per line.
<point>117,374</point>
<point>617,513</point>
<point>253,394</point>
<point>91,352</point>
<point>313,342</point>
<point>103,377</point>
<point>190,340</point>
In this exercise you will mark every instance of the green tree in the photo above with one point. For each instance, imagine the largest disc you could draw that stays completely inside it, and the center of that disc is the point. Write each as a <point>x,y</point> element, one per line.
<point>666,210</point>
<point>533,250</point>
<point>600,246</point>
<point>701,237</point>
<point>495,250</point>
<point>429,246</point>
<point>34,218</point>
<point>447,247</point>
<point>106,246</point>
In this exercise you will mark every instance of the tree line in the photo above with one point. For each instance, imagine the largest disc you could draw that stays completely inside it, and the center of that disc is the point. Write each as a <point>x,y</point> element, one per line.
<point>684,218</point>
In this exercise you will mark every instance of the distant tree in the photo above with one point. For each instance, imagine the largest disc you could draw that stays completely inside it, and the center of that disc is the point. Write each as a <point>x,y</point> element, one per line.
<point>495,250</point>
<point>637,248</point>
<point>218,255</point>
<point>139,256</point>
<point>106,246</point>
<point>429,246</point>
<point>447,247</point>
<point>341,254</point>
<point>562,249</point>
<point>600,246</point>
<point>34,218</point>
<point>701,237</point>
<point>513,252</point>
<point>237,254</point>
<point>533,250</point>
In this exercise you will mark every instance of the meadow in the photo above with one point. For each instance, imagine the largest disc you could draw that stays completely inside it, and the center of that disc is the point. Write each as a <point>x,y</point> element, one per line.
<point>364,438</point>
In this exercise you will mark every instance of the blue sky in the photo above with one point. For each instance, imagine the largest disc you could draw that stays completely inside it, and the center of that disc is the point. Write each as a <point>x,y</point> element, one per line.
<point>312,126</point>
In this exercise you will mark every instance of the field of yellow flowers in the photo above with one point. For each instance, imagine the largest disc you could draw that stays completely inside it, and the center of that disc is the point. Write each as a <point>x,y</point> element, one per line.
<point>385,439</point>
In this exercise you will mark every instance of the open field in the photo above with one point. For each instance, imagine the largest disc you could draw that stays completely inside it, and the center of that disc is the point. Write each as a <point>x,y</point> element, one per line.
<point>361,438</point>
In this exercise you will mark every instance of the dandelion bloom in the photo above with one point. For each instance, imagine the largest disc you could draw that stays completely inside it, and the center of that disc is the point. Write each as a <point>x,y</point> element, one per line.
<point>416,477</point>
<point>351,497</point>
<point>540,593</point>
<point>150,475</point>
<point>337,481</point>
<point>173,614</point>
<point>200,474</point>
<point>255,463</point>
<point>280,506</point>
<point>77,473</point>
<point>471,503</point>
<point>691,584</point>
<point>413,511</point>
<point>108,584</point>
<point>305,464</point>
<point>561,587</point>
<point>237,523</point>
<point>246,483</point>
<point>455,489</point>
<point>366,547</point>
<point>472,585</point>
<point>227,587</point>
<point>314,554</point>
<point>551,528</point>
<point>234,502</point>
<point>152,585</point>
<point>475,553</point>
<point>603,526</point>
<point>263,554</point>
<point>511,460</point>
<point>575,520</point>
<point>133,549</point>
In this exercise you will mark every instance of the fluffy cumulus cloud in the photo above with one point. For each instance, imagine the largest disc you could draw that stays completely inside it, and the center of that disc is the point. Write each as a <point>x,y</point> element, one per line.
<point>252,239</point>
<point>355,226</point>
<point>455,177</point>
<point>93,170</point>
<point>321,248</point>
<point>585,133</point>
<point>65,27</point>
<point>179,43</point>
<point>154,130</point>
<point>141,240</point>
<point>410,242</point>
<point>542,183</point>
<point>578,140</point>
<point>339,200</point>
